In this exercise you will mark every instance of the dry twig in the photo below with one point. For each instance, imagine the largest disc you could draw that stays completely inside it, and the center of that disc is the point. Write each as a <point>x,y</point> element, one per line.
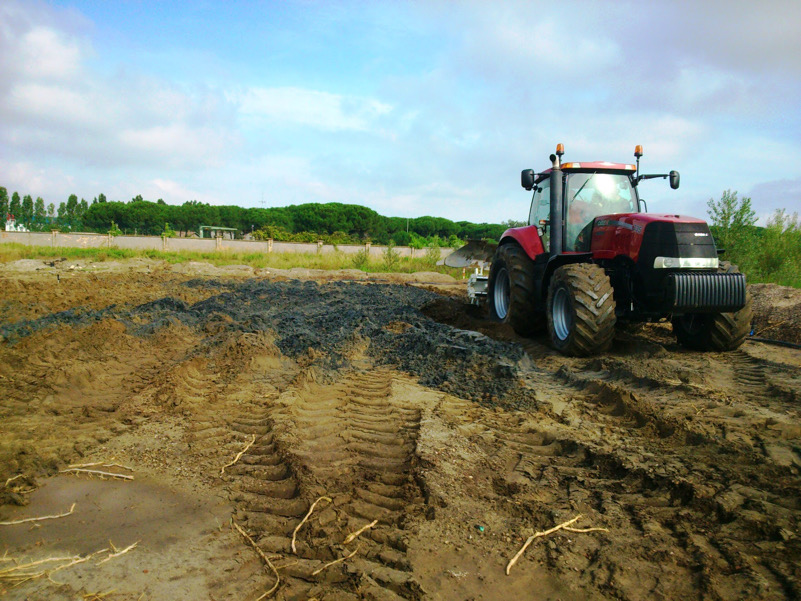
<point>75,561</point>
<point>563,526</point>
<point>77,470</point>
<point>20,573</point>
<point>353,535</point>
<point>46,517</point>
<point>10,480</point>
<point>264,558</point>
<point>303,521</point>
<point>117,553</point>
<point>239,455</point>
<point>102,463</point>
<point>336,561</point>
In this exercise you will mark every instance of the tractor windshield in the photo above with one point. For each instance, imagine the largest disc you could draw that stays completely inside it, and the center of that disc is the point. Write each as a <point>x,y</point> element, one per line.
<point>589,195</point>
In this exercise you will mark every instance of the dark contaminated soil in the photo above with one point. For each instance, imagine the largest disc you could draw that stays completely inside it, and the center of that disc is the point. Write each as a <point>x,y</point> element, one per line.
<point>294,410</point>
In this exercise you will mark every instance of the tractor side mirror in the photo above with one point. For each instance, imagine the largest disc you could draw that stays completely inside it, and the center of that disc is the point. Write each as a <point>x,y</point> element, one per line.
<point>674,180</point>
<point>527,178</point>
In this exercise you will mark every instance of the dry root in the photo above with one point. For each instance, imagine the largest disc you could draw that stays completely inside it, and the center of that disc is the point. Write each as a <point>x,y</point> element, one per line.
<point>20,573</point>
<point>46,517</point>
<point>101,474</point>
<point>352,536</point>
<point>239,455</point>
<point>303,521</point>
<point>563,526</point>
<point>336,561</point>
<point>264,558</point>
<point>117,553</point>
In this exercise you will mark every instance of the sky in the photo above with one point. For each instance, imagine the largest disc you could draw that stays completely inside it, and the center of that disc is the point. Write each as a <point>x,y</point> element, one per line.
<point>409,108</point>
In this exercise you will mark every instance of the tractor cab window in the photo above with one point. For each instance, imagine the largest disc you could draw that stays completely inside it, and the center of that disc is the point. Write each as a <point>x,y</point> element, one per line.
<point>589,195</point>
<point>541,210</point>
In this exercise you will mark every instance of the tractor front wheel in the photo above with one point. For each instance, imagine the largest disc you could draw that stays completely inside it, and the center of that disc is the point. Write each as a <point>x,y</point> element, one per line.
<point>715,331</point>
<point>581,310</point>
<point>511,290</point>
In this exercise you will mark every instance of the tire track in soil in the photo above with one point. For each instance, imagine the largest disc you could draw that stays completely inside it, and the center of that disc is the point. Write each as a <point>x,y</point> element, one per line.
<point>652,475</point>
<point>353,441</point>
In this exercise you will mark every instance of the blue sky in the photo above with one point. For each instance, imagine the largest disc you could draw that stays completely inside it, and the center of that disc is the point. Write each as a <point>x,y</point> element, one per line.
<point>410,108</point>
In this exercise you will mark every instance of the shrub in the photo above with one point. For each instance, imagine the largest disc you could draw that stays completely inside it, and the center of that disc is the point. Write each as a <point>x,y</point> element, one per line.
<point>391,258</point>
<point>361,260</point>
<point>432,255</point>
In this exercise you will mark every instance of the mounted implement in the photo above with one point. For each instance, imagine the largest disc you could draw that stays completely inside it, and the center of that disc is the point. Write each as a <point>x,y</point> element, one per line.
<point>589,260</point>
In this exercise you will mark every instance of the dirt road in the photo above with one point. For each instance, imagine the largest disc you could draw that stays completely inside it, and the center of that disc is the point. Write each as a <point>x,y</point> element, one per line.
<point>232,403</point>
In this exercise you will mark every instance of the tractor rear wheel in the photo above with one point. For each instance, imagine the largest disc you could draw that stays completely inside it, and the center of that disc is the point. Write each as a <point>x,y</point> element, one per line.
<point>581,310</point>
<point>715,331</point>
<point>511,291</point>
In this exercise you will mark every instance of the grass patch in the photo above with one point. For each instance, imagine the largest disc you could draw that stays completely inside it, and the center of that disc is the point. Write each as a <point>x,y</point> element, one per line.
<point>337,260</point>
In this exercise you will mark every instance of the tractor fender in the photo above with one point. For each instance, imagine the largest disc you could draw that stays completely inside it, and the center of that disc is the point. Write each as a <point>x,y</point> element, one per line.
<point>527,237</point>
<point>555,263</point>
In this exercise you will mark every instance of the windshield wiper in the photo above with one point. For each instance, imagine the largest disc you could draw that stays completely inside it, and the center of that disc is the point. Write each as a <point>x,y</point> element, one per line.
<point>589,179</point>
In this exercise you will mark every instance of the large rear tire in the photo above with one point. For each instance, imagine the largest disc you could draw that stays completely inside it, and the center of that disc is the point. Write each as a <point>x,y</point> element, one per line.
<point>511,291</point>
<point>715,331</point>
<point>581,310</point>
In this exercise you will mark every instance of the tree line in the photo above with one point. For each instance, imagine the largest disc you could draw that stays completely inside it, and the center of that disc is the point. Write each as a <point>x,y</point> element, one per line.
<point>765,254</point>
<point>331,222</point>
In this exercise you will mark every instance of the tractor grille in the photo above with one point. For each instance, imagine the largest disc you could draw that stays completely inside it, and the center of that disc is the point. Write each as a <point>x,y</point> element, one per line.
<point>719,292</point>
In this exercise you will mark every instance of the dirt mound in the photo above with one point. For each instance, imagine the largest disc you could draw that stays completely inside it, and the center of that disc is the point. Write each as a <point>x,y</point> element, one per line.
<point>777,312</point>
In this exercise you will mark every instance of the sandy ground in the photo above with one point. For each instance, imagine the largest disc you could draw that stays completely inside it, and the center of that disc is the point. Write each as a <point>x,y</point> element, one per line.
<point>393,405</point>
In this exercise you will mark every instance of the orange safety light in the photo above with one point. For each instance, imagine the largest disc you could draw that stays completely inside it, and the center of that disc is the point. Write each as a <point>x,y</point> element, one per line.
<point>638,151</point>
<point>560,149</point>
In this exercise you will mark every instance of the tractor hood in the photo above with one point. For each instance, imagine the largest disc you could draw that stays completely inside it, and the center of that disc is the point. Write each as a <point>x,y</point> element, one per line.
<point>645,236</point>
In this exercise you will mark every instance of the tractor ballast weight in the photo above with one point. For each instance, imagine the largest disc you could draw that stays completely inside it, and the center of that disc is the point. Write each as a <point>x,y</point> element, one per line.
<point>597,261</point>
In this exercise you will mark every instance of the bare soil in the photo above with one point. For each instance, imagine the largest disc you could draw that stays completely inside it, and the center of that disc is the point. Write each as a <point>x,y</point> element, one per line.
<point>396,403</point>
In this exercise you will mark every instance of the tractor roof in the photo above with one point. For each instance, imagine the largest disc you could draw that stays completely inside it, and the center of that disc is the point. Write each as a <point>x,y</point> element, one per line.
<point>623,168</point>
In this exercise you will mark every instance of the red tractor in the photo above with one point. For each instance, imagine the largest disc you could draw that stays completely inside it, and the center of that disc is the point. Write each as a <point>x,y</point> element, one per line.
<point>590,260</point>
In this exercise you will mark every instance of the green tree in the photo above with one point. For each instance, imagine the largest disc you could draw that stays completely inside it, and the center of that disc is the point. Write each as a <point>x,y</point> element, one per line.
<point>26,210</point>
<point>101,197</point>
<point>39,214</point>
<point>70,213</point>
<point>3,204</point>
<point>51,211</point>
<point>732,220</point>
<point>80,213</point>
<point>15,205</point>
<point>777,256</point>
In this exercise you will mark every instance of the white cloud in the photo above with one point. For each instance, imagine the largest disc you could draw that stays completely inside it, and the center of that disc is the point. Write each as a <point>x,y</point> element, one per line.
<point>53,105</point>
<point>45,53</point>
<point>318,109</point>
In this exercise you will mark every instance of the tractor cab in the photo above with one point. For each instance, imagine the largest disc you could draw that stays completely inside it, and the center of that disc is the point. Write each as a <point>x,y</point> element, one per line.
<point>590,190</point>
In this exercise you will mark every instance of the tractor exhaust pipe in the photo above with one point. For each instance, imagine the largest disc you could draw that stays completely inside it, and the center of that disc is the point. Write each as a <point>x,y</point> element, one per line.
<point>557,228</point>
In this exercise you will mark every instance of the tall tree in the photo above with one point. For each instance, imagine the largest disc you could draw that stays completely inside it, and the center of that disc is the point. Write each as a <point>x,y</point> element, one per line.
<point>15,205</point>
<point>101,197</point>
<point>71,209</point>
<point>39,215</point>
<point>51,211</point>
<point>26,211</point>
<point>80,212</point>
<point>732,220</point>
<point>3,203</point>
